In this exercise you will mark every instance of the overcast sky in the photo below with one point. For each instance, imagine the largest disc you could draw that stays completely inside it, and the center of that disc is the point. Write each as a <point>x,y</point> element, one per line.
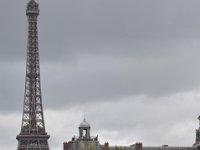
<point>131,66</point>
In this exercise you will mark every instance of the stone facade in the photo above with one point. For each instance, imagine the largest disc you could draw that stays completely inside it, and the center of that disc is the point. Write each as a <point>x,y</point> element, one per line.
<point>82,145</point>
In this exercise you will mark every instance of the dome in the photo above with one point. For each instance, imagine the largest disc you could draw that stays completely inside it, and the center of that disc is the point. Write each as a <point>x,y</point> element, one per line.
<point>84,124</point>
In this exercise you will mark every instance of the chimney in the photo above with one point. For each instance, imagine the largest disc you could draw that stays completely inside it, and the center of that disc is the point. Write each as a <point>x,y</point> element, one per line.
<point>138,146</point>
<point>65,146</point>
<point>106,146</point>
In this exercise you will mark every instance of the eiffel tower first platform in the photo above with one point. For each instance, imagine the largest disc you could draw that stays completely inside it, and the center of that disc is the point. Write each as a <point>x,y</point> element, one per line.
<point>33,135</point>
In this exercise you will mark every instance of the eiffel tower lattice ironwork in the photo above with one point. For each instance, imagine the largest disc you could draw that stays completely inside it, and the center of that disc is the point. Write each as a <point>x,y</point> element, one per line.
<point>33,135</point>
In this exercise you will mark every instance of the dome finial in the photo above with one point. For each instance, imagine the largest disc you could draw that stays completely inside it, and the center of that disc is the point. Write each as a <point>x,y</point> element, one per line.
<point>84,120</point>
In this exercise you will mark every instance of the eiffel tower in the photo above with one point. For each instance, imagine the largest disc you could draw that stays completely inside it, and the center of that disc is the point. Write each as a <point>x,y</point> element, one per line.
<point>33,135</point>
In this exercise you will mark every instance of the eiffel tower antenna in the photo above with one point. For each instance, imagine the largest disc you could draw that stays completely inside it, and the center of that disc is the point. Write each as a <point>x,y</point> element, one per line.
<point>33,135</point>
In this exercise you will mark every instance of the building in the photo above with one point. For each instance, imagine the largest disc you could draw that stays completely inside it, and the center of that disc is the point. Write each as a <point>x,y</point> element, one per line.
<point>84,141</point>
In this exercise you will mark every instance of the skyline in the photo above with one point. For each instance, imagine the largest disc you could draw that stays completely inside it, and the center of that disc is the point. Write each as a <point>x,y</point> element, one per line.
<point>141,62</point>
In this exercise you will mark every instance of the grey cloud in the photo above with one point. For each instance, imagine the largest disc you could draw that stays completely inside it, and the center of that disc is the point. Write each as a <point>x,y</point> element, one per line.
<point>12,87</point>
<point>94,50</point>
<point>102,78</point>
<point>99,27</point>
<point>13,31</point>
<point>153,123</point>
<point>117,27</point>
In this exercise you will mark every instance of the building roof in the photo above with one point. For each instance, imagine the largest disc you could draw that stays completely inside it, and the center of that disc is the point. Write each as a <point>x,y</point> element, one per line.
<point>152,148</point>
<point>168,148</point>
